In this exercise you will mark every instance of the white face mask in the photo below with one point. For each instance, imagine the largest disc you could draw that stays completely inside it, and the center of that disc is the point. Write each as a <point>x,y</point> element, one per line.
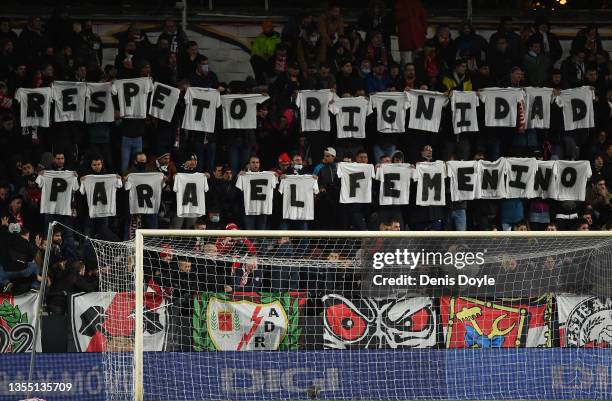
<point>297,167</point>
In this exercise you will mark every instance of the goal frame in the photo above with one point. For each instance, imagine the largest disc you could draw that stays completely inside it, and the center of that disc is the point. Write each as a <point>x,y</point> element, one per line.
<point>138,369</point>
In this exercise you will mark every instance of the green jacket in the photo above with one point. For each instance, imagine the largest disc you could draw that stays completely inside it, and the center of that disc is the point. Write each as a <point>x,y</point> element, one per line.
<point>264,46</point>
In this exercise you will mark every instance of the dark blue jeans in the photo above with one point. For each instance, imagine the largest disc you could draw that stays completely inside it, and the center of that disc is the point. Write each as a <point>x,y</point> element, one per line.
<point>30,270</point>
<point>95,226</point>
<point>286,224</point>
<point>258,222</point>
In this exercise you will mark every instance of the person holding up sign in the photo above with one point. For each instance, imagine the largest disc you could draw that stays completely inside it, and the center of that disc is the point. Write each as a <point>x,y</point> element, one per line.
<point>56,200</point>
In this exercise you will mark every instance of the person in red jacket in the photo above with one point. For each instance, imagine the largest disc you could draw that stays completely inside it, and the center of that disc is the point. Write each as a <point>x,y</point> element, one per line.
<point>411,27</point>
<point>236,246</point>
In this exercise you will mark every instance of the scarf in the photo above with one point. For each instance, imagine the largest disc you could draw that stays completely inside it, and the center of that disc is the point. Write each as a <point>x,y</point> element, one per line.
<point>431,66</point>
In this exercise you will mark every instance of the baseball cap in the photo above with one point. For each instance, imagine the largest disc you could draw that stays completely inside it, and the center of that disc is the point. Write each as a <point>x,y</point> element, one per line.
<point>231,226</point>
<point>331,151</point>
<point>284,158</point>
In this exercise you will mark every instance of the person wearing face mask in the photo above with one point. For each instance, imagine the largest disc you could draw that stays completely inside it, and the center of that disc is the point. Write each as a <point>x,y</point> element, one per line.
<point>365,69</point>
<point>203,77</point>
<point>297,166</point>
<point>213,220</point>
<point>140,165</point>
<point>311,49</point>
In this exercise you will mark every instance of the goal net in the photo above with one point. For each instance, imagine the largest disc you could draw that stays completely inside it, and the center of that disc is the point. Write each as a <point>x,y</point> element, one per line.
<point>272,315</point>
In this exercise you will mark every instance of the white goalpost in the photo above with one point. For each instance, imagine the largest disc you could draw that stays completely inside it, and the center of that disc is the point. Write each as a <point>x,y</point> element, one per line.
<point>357,315</point>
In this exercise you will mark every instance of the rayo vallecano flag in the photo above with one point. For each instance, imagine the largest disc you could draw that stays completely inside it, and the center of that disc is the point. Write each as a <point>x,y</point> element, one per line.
<point>585,322</point>
<point>104,321</point>
<point>247,321</point>
<point>17,319</point>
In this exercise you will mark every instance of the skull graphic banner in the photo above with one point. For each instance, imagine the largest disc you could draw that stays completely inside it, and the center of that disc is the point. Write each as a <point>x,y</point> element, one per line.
<point>378,322</point>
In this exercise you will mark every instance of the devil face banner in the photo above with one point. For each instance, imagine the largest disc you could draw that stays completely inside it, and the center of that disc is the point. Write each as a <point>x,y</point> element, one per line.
<point>378,323</point>
<point>474,323</point>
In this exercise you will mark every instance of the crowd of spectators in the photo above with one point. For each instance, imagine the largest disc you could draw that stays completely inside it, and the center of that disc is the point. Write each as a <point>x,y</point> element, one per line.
<point>313,51</point>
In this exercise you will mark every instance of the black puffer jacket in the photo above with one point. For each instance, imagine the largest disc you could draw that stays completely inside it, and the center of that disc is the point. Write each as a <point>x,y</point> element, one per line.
<point>15,251</point>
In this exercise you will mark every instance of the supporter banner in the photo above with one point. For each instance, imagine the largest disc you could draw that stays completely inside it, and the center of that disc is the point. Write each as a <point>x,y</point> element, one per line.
<point>163,101</point>
<point>132,95</point>
<point>314,106</point>
<point>145,192</point>
<point>585,322</point>
<point>426,109</point>
<point>351,114</point>
<point>247,321</point>
<point>69,99</point>
<point>100,191</point>
<point>239,111</point>
<point>190,199</point>
<point>17,319</point>
<point>475,323</point>
<point>105,321</point>
<point>258,191</point>
<point>378,323</point>
<point>57,188</point>
<point>504,178</point>
<point>298,196</point>
<point>463,107</point>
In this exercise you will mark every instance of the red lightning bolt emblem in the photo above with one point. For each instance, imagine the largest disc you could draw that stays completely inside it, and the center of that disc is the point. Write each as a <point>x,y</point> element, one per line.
<point>256,319</point>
